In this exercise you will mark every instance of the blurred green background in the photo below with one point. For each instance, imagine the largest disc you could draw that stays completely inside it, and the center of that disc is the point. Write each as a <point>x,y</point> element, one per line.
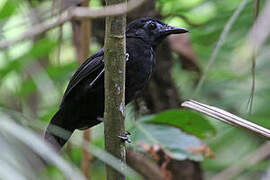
<point>34,74</point>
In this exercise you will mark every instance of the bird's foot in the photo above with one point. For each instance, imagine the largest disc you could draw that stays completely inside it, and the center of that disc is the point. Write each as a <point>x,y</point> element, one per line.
<point>125,137</point>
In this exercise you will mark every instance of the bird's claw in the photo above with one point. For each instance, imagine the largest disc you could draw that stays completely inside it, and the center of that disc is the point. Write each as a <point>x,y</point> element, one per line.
<point>125,138</point>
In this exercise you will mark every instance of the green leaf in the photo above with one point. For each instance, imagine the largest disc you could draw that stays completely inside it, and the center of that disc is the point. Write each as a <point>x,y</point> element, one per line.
<point>7,9</point>
<point>61,73</point>
<point>39,49</point>
<point>188,121</point>
<point>174,141</point>
<point>28,87</point>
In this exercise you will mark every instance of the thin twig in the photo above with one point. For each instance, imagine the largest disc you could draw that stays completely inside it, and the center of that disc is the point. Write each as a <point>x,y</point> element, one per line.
<point>60,38</point>
<point>143,165</point>
<point>44,12</point>
<point>227,117</point>
<point>81,40</point>
<point>75,12</point>
<point>253,58</point>
<point>36,30</point>
<point>260,30</point>
<point>108,159</point>
<point>86,161</point>
<point>251,159</point>
<point>112,10</point>
<point>220,42</point>
<point>266,175</point>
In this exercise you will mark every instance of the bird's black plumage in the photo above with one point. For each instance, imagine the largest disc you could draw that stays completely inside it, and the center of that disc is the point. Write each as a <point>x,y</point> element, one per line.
<point>82,105</point>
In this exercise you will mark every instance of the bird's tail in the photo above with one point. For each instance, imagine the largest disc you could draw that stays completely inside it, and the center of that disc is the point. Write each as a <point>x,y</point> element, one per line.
<point>56,133</point>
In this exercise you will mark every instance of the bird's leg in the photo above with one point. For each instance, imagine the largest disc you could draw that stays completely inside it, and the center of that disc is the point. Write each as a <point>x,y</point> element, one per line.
<point>125,137</point>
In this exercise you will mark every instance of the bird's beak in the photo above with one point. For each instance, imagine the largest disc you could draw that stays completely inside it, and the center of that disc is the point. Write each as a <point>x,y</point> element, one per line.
<point>167,30</point>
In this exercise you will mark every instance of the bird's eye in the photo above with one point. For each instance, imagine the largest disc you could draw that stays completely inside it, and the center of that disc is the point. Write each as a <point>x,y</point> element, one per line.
<point>152,26</point>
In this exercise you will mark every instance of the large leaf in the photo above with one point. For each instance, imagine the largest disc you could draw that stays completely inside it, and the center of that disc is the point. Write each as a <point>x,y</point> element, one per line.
<point>174,141</point>
<point>188,121</point>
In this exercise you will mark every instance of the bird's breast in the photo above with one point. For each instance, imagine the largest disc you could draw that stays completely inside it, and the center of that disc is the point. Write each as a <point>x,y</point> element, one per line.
<point>139,68</point>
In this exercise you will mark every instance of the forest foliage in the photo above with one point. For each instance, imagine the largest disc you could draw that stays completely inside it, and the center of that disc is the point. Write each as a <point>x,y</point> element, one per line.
<point>34,74</point>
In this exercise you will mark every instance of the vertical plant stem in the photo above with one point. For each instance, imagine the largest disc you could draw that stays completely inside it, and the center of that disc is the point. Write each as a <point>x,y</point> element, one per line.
<point>86,156</point>
<point>81,39</point>
<point>220,42</point>
<point>256,6</point>
<point>33,100</point>
<point>115,53</point>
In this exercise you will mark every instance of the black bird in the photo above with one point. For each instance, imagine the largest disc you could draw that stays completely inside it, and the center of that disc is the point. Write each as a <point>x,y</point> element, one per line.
<point>83,103</point>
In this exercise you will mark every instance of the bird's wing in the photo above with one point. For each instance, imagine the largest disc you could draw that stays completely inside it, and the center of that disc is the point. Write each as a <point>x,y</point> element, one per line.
<point>89,66</point>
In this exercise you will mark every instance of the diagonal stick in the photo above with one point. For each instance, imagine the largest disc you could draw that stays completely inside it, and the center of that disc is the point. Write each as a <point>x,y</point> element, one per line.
<point>227,117</point>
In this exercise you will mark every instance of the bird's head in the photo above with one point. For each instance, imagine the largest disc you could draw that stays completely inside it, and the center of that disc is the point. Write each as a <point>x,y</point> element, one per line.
<point>151,30</point>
